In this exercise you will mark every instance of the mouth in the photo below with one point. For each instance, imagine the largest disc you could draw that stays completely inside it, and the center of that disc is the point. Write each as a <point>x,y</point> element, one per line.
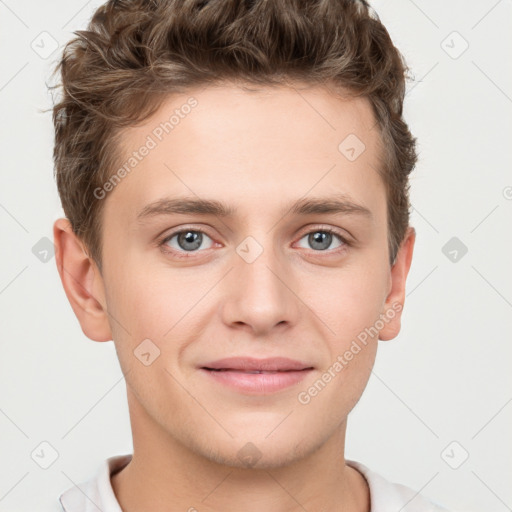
<point>252,365</point>
<point>257,377</point>
<point>253,371</point>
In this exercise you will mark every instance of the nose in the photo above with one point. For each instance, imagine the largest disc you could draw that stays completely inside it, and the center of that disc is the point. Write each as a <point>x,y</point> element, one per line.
<point>258,295</point>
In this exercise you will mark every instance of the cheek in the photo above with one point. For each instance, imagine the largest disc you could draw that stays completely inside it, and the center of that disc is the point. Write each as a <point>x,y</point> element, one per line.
<point>136,320</point>
<point>144,309</point>
<point>151,302</point>
<point>160,305</point>
<point>348,301</point>
<point>348,306</point>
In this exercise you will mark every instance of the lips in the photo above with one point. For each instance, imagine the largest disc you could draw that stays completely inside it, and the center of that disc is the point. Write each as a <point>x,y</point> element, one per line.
<point>250,376</point>
<point>253,365</point>
<point>246,371</point>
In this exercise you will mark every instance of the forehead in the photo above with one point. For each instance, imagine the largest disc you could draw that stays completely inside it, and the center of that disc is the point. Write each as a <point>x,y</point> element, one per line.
<point>273,144</point>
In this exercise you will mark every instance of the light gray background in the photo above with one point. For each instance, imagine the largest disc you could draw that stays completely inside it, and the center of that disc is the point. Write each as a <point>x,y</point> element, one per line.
<point>446,378</point>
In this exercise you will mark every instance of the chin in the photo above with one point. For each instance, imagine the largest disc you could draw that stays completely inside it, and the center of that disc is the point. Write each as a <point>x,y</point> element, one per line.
<point>258,450</point>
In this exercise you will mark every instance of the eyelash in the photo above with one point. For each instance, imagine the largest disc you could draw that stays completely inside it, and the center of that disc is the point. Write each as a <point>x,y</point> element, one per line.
<point>189,254</point>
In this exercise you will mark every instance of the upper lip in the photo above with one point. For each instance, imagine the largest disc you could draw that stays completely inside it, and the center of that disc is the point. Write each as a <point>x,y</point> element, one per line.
<point>252,364</point>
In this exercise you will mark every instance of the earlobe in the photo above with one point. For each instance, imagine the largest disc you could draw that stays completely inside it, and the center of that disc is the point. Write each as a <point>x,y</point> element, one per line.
<point>82,282</point>
<point>396,298</point>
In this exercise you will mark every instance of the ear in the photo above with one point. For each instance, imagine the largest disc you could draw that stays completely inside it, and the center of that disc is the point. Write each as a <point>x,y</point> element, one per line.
<point>82,282</point>
<point>396,296</point>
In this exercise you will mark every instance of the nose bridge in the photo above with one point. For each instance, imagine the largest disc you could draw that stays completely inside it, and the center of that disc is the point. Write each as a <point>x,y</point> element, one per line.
<point>259,294</point>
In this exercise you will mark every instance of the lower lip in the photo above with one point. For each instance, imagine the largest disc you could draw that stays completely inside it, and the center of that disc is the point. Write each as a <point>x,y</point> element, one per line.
<point>258,383</point>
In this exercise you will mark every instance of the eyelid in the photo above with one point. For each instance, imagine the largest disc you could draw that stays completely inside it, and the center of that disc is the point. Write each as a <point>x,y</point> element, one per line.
<point>329,229</point>
<point>203,228</point>
<point>161,241</point>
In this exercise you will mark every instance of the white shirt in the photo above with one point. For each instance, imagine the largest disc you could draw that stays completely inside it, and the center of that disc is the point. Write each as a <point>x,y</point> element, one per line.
<point>97,494</point>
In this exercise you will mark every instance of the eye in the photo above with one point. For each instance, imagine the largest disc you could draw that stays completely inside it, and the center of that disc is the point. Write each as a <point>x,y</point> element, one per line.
<point>188,240</point>
<point>192,240</point>
<point>321,239</point>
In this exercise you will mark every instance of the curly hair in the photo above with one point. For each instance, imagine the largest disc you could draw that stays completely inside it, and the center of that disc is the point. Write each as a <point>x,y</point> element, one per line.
<point>135,53</point>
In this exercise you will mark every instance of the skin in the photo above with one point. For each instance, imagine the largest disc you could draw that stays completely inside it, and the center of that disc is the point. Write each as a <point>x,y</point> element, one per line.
<point>257,151</point>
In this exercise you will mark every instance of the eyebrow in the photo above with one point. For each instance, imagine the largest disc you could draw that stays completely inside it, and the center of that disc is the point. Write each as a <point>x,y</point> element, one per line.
<point>199,206</point>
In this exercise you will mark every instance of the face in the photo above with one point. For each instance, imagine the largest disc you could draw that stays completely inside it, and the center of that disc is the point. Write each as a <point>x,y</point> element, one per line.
<point>285,256</point>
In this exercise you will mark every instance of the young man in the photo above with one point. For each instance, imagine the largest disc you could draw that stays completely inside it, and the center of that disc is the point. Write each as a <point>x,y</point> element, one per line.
<point>235,180</point>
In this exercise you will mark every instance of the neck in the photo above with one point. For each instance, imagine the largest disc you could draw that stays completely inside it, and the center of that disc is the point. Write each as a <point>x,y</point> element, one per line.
<point>165,475</point>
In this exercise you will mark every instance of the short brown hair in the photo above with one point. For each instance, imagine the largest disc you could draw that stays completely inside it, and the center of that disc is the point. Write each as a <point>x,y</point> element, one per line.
<point>134,53</point>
